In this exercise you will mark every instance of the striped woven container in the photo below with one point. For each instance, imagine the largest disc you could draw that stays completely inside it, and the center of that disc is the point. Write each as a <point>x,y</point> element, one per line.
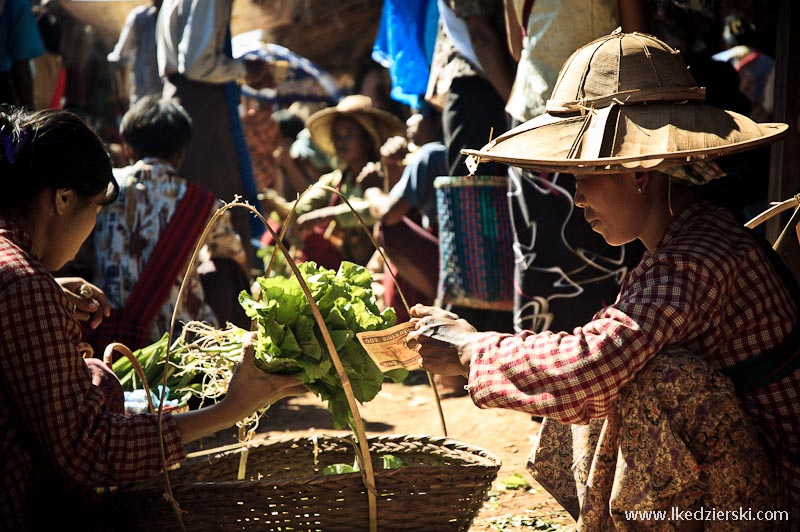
<point>476,256</point>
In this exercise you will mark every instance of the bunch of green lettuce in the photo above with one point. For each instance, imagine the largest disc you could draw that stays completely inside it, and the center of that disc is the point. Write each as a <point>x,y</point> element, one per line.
<point>290,341</point>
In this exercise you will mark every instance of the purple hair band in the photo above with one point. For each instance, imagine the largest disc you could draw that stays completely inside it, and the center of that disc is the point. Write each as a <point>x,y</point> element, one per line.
<point>11,144</point>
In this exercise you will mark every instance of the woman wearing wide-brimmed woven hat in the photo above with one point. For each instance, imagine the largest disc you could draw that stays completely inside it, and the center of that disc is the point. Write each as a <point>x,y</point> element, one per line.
<point>352,132</point>
<point>691,374</point>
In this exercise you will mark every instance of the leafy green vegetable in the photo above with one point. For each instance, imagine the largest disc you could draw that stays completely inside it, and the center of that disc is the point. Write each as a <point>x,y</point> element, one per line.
<point>338,469</point>
<point>290,341</point>
<point>515,481</point>
<point>390,461</point>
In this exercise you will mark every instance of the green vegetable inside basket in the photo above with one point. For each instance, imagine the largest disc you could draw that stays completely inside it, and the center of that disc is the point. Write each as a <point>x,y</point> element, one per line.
<point>290,340</point>
<point>390,461</point>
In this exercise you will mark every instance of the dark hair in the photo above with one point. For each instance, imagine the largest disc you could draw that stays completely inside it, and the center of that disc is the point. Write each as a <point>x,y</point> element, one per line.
<point>155,127</point>
<point>289,124</point>
<point>47,150</point>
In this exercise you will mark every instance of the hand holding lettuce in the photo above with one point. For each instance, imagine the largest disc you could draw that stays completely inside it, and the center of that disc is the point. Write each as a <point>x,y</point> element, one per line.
<point>290,341</point>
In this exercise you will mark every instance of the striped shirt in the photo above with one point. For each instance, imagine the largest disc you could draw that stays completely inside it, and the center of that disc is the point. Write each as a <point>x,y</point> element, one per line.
<point>707,287</point>
<point>52,417</point>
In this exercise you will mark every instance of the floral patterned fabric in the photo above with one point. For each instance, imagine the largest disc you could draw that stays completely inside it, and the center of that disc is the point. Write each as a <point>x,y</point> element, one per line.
<point>127,232</point>
<point>677,429</point>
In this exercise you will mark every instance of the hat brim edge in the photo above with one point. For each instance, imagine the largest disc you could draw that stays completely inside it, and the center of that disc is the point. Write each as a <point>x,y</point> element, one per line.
<point>627,164</point>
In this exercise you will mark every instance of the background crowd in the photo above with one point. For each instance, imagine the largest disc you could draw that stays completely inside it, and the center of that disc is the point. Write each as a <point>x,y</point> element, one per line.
<point>458,73</point>
<point>195,117</point>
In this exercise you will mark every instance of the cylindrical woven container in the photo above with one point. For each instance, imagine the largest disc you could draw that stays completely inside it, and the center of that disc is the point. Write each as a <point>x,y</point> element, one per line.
<point>476,255</point>
<point>441,487</point>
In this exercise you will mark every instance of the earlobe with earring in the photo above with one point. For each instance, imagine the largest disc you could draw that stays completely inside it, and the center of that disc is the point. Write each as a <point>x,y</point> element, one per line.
<point>639,189</point>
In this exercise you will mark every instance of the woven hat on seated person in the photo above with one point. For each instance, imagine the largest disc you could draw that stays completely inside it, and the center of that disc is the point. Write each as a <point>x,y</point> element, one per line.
<point>378,123</point>
<point>622,103</point>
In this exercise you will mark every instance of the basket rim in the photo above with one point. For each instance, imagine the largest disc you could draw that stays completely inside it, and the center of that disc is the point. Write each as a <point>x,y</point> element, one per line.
<point>482,458</point>
<point>442,441</point>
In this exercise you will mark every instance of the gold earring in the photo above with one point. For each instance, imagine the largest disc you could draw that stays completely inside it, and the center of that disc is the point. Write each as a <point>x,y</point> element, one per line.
<point>639,189</point>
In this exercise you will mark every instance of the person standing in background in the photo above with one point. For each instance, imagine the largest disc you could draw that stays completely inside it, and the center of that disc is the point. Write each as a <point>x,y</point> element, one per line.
<point>137,47</point>
<point>19,43</point>
<point>471,70</point>
<point>50,74</point>
<point>193,43</point>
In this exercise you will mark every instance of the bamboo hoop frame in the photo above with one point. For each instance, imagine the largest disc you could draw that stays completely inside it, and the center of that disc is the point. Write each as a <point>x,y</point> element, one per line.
<point>776,209</point>
<point>361,446</point>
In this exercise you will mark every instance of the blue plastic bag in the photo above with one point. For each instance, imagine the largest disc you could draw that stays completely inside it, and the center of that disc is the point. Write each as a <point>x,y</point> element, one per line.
<point>404,45</point>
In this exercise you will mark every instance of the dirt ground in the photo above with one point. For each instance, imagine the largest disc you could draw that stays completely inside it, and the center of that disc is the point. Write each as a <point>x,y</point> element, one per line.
<point>404,409</point>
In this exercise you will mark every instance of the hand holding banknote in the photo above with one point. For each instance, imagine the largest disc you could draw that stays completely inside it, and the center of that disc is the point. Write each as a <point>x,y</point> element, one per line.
<point>388,348</point>
<point>442,339</point>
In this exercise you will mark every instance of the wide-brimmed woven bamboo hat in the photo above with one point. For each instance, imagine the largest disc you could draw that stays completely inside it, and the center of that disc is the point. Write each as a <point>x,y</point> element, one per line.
<point>379,124</point>
<point>625,102</point>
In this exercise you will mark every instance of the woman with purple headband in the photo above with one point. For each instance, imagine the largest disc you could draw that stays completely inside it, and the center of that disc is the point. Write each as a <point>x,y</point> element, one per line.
<point>62,430</point>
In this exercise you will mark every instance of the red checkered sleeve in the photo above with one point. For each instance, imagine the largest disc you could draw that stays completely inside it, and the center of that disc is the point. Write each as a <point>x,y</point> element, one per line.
<point>576,377</point>
<point>53,398</point>
<point>709,287</point>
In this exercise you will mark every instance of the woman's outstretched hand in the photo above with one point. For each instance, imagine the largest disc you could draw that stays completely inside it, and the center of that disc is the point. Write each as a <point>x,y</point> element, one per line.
<point>252,389</point>
<point>442,339</point>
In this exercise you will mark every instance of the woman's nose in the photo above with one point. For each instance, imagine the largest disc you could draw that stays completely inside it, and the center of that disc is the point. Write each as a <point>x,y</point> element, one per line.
<point>580,199</point>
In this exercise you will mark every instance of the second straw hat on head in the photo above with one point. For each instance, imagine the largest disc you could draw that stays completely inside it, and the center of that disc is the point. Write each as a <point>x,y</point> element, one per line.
<point>625,102</point>
<point>378,123</point>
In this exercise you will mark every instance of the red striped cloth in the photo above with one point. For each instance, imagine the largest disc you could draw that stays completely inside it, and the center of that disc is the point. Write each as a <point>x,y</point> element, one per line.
<point>131,325</point>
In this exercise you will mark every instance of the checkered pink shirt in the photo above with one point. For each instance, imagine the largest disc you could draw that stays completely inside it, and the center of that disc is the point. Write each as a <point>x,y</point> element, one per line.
<point>51,416</point>
<point>708,287</point>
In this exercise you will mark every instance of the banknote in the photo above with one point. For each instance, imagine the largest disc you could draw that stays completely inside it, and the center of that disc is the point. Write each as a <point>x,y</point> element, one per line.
<point>388,348</point>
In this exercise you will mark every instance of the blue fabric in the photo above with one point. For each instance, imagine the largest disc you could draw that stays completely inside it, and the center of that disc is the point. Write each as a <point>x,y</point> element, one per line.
<point>416,184</point>
<point>404,45</point>
<point>243,161</point>
<point>19,35</point>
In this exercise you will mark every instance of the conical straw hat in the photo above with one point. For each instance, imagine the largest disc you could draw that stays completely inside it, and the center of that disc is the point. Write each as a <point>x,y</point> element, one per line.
<point>625,102</point>
<point>378,123</point>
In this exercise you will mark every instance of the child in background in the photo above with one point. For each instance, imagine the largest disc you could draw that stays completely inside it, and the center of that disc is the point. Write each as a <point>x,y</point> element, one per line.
<point>143,242</point>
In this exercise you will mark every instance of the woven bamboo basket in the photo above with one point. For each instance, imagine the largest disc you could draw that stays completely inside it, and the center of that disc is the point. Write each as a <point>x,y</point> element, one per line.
<point>280,485</point>
<point>440,488</point>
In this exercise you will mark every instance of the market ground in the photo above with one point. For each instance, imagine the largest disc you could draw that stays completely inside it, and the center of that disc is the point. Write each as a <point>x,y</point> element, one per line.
<point>404,409</point>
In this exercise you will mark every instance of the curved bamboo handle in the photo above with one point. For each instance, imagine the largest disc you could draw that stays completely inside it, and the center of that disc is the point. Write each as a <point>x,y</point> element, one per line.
<point>124,350</point>
<point>773,211</point>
